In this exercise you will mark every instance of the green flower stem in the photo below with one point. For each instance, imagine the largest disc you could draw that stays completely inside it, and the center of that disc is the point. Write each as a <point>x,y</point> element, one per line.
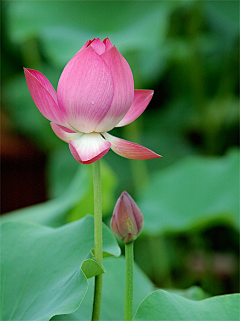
<point>97,238</point>
<point>128,303</point>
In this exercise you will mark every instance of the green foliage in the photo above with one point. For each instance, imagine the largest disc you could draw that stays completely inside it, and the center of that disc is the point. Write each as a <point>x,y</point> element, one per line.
<point>61,169</point>
<point>144,26</point>
<point>191,194</point>
<point>85,205</point>
<point>92,267</point>
<point>192,293</point>
<point>161,305</point>
<point>113,293</point>
<point>47,262</point>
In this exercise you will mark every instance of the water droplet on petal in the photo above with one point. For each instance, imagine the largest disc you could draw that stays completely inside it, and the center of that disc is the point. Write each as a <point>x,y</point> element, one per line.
<point>92,102</point>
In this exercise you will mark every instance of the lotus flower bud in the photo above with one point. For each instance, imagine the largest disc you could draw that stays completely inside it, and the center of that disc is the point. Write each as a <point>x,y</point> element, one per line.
<point>127,219</point>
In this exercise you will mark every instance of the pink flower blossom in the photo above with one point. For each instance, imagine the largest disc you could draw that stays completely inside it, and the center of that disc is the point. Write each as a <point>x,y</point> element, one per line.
<point>95,94</point>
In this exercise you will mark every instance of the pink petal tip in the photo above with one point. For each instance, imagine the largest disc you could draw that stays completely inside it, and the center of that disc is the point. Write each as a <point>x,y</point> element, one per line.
<point>128,149</point>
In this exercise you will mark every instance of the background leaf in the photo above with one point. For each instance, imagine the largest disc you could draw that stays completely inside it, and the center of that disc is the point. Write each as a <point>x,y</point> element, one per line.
<point>193,293</point>
<point>113,293</point>
<point>56,24</point>
<point>41,267</point>
<point>192,193</point>
<point>161,305</point>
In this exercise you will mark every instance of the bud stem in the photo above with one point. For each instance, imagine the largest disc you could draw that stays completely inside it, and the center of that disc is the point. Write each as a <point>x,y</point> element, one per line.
<point>128,302</point>
<point>97,238</point>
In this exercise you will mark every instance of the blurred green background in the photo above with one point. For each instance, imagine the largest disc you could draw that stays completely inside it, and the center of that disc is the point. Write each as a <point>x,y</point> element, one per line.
<point>188,52</point>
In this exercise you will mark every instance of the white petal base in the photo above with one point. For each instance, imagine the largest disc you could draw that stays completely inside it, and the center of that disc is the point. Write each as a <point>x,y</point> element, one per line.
<point>88,148</point>
<point>65,134</point>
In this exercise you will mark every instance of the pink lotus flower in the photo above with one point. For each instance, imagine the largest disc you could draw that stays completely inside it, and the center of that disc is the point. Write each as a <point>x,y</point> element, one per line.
<point>95,94</point>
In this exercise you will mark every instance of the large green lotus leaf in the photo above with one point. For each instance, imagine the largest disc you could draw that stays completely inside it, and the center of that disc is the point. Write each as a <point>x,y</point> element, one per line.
<point>41,271</point>
<point>191,194</point>
<point>113,293</point>
<point>53,212</point>
<point>162,305</point>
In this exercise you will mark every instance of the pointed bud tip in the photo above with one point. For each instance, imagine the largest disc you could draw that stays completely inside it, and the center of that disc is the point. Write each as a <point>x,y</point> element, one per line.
<point>127,219</point>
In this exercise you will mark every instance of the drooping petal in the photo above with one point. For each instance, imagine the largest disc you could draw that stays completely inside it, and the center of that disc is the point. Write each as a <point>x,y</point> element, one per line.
<point>44,96</point>
<point>128,149</point>
<point>88,148</point>
<point>140,103</point>
<point>123,89</point>
<point>64,133</point>
<point>85,90</point>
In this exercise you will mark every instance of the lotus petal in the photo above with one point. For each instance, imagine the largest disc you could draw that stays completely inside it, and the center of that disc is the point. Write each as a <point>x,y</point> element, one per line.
<point>123,89</point>
<point>44,96</point>
<point>98,46</point>
<point>107,43</point>
<point>64,133</point>
<point>85,90</point>
<point>140,103</point>
<point>88,148</point>
<point>128,149</point>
